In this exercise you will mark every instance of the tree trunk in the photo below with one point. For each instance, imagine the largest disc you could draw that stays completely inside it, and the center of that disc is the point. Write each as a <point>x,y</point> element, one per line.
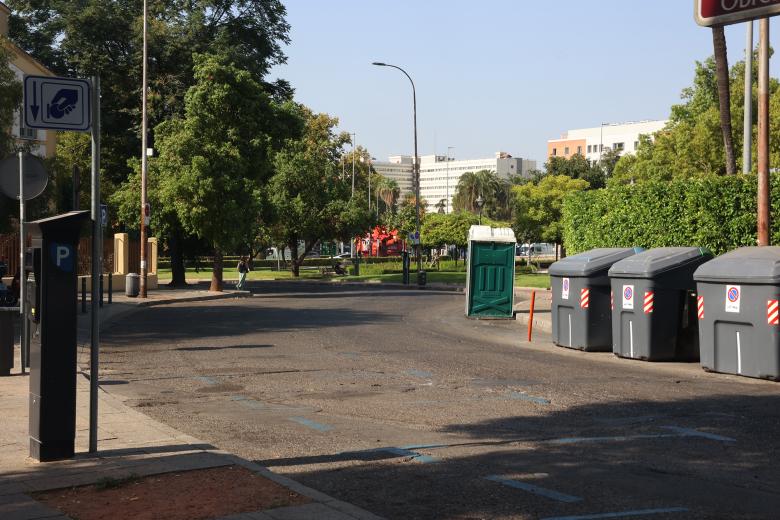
<point>216,272</point>
<point>177,260</point>
<point>724,96</point>
<point>294,265</point>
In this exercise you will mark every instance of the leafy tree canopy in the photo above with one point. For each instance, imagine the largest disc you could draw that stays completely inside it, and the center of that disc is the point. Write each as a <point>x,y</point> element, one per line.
<point>538,207</point>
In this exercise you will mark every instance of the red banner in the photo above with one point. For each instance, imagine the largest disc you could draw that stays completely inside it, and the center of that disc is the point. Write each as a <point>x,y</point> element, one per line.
<point>722,12</point>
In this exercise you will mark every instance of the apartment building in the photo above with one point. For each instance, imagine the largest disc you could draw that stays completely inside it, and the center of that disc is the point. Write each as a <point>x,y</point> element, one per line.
<point>42,142</point>
<point>439,175</point>
<point>591,142</point>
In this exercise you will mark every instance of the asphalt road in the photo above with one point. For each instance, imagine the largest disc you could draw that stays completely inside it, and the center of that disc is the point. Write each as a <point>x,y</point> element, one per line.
<point>394,401</point>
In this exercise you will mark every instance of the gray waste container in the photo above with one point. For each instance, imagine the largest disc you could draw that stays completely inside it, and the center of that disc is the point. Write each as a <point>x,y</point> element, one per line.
<point>132,284</point>
<point>654,304</point>
<point>738,312</point>
<point>581,316</point>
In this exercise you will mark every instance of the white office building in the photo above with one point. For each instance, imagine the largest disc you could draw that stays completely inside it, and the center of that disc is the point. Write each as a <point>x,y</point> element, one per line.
<point>439,177</point>
<point>590,142</point>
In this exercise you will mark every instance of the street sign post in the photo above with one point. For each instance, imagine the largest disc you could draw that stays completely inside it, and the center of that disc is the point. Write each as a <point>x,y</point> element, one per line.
<point>57,103</point>
<point>724,12</point>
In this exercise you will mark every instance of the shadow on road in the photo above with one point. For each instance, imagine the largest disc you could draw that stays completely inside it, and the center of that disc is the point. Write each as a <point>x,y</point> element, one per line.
<point>188,321</point>
<point>714,456</point>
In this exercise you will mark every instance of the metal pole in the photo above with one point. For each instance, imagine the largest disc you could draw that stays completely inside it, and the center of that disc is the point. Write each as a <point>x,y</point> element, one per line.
<point>747,140</point>
<point>369,186</point>
<point>142,284</point>
<point>353,164</point>
<point>22,278</point>
<point>447,207</point>
<point>763,132</point>
<point>97,248</point>
<point>420,273</point>
<point>601,144</point>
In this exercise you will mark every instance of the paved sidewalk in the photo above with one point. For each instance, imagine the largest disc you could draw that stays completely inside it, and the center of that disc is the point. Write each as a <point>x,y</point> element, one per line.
<point>129,442</point>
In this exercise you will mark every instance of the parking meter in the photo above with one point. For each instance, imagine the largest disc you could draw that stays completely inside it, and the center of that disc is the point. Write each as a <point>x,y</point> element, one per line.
<point>52,299</point>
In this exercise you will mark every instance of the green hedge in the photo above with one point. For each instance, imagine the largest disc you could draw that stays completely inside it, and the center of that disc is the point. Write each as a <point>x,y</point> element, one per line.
<point>718,213</point>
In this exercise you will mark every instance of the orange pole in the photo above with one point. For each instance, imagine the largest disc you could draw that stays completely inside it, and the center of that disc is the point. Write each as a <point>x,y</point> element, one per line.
<point>531,315</point>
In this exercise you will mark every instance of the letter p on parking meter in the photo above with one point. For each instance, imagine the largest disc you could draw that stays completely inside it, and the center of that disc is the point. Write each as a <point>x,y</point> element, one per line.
<point>62,256</point>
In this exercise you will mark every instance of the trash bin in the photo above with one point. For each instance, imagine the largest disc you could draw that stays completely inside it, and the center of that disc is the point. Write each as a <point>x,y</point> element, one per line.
<point>738,313</point>
<point>581,315</point>
<point>132,284</point>
<point>490,276</point>
<point>7,339</point>
<point>654,304</point>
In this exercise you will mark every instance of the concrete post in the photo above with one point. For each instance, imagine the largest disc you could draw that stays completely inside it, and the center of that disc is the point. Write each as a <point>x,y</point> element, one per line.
<point>121,253</point>
<point>152,255</point>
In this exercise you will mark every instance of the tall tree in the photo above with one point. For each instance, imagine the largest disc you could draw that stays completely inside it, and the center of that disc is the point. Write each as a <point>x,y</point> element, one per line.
<point>309,199</point>
<point>538,207</point>
<point>87,37</point>
<point>724,99</point>
<point>471,186</point>
<point>388,192</point>
<point>212,161</point>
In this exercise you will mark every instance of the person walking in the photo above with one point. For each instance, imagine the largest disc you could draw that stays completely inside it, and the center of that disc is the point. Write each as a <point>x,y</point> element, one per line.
<point>243,268</point>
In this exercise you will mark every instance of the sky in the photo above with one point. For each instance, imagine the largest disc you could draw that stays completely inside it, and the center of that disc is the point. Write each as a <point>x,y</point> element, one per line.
<point>493,75</point>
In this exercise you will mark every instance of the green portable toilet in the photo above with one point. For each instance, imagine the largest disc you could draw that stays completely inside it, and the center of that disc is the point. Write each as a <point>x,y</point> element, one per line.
<point>490,277</point>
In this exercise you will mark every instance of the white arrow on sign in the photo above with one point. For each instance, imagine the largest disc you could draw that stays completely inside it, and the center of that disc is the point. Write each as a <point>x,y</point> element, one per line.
<point>57,103</point>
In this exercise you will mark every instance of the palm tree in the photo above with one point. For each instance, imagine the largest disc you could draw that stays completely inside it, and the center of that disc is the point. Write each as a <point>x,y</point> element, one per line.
<point>471,185</point>
<point>724,96</point>
<point>388,191</point>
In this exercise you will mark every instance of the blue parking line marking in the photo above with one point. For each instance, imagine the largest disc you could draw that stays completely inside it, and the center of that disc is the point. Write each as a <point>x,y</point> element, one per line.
<point>690,432</point>
<point>638,512</point>
<point>311,424</point>
<point>207,380</point>
<point>616,438</point>
<point>530,398</point>
<point>420,373</point>
<point>536,490</point>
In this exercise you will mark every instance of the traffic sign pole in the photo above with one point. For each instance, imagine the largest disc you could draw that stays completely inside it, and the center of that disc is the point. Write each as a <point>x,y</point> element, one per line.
<point>97,267</point>
<point>23,344</point>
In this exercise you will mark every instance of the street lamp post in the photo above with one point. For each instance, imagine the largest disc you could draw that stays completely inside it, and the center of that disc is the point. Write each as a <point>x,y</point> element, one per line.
<point>420,273</point>
<point>447,210</point>
<point>480,202</point>
<point>144,167</point>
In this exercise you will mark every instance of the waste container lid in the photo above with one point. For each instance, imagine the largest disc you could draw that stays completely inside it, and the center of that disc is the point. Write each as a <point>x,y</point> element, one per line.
<point>491,234</point>
<point>744,265</point>
<point>658,260</point>
<point>591,262</point>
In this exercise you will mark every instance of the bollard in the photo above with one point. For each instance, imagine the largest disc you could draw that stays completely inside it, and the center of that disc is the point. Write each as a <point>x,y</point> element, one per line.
<point>83,295</point>
<point>100,289</point>
<point>110,288</point>
<point>531,315</point>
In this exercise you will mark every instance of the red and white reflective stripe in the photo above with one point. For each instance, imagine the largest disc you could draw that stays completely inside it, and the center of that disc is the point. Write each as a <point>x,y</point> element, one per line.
<point>612,300</point>
<point>772,312</point>
<point>648,307</point>
<point>584,298</point>
<point>700,306</point>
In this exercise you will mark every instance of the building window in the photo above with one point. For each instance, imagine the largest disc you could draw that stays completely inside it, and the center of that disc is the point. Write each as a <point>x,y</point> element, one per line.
<point>555,152</point>
<point>579,150</point>
<point>589,147</point>
<point>618,146</point>
<point>636,145</point>
<point>28,133</point>
<point>566,151</point>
